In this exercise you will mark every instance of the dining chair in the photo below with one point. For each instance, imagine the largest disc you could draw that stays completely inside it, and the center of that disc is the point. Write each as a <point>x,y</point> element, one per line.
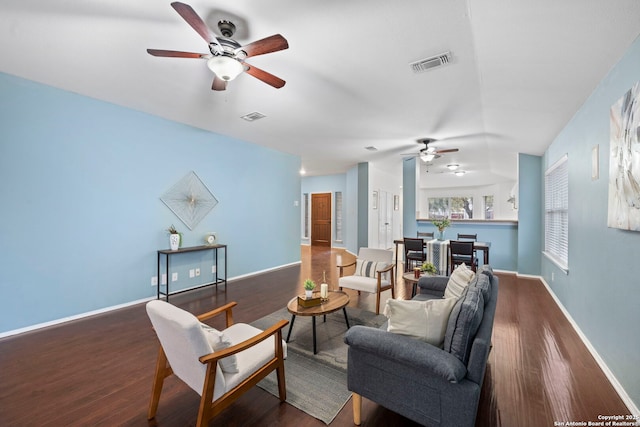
<point>414,253</point>
<point>473,237</point>
<point>461,252</point>
<point>425,235</point>
<point>470,237</point>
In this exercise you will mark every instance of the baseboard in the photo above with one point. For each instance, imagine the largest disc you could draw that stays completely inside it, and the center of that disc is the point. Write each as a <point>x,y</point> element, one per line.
<point>124,305</point>
<point>633,409</point>
<point>74,317</point>
<point>267,270</point>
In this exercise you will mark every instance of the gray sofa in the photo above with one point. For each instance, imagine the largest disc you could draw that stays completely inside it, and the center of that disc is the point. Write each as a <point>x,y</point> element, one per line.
<point>430,385</point>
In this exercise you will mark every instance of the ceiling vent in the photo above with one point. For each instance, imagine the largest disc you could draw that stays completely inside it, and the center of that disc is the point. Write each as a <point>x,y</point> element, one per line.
<point>430,63</point>
<point>253,116</point>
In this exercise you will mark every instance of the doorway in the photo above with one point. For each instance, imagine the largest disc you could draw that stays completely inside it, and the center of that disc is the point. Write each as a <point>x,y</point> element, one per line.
<point>385,220</point>
<point>321,219</point>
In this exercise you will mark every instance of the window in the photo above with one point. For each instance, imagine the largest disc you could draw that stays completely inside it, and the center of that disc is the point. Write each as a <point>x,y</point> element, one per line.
<point>488,207</point>
<point>338,215</point>
<point>305,213</point>
<point>556,213</point>
<point>452,207</point>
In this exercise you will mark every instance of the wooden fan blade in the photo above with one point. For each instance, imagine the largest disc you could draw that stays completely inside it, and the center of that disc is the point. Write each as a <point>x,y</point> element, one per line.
<point>268,78</point>
<point>218,84</point>
<point>175,53</point>
<point>450,150</point>
<point>267,45</point>
<point>192,18</point>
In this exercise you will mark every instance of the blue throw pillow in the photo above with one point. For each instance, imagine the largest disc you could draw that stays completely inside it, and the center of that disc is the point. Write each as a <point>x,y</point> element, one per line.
<point>464,322</point>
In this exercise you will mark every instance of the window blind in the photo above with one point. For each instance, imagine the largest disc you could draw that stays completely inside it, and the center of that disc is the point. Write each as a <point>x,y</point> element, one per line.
<point>556,218</point>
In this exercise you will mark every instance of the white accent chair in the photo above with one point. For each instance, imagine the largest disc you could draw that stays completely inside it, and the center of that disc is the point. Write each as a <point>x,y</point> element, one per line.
<point>375,273</point>
<point>186,351</point>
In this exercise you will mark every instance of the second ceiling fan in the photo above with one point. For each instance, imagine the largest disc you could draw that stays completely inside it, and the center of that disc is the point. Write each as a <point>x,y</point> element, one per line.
<point>429,152</point>
<point>226,57</point>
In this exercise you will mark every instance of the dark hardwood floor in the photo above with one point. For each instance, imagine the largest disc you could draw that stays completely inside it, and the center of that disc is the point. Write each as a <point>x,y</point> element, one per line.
<point>97,371</point>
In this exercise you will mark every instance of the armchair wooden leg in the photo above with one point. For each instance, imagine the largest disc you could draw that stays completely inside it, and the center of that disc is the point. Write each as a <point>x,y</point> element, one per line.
<point>357,409</point>
<point>378,302</point>
<point>282,385</point>
<point>158,382</point>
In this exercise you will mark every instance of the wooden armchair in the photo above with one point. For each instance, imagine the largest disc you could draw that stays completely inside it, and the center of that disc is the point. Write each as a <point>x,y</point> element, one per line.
<point>375,273</point>
<point>218,365</point>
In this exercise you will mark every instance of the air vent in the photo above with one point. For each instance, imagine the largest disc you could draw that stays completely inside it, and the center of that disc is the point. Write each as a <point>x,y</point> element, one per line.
<point>430,63</point>
<point>253,116</point>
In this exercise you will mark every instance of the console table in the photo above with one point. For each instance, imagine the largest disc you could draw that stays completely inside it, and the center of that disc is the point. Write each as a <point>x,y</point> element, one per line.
<point>217,279</point>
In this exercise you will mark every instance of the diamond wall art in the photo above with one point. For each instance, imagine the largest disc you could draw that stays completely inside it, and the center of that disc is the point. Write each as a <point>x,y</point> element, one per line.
<point>190,200</point>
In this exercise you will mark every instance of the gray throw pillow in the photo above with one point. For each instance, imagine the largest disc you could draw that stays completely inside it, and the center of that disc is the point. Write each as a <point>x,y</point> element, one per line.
<point>483,283</point>
<point>464,322</point>
<point>486,269</point>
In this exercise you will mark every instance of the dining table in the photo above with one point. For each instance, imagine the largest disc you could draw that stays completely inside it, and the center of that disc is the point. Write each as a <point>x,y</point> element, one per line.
<point>438,252</point>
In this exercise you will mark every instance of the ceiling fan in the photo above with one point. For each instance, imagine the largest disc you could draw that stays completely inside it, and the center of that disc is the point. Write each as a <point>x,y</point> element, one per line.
<point>429,152</point>
<point>226,57</point>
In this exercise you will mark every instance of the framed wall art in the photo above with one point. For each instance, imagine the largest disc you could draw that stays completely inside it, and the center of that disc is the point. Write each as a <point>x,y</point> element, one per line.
<point>624,162</point>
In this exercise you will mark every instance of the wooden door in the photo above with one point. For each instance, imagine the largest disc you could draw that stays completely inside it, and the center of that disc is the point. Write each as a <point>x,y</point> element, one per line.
<point>321,219</point>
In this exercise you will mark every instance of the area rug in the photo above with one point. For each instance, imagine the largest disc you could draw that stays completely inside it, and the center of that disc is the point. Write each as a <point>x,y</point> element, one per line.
<point>316,383</point>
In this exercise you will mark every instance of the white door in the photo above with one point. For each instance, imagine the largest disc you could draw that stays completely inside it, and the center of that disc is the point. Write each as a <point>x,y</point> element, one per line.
<point>385,220</point>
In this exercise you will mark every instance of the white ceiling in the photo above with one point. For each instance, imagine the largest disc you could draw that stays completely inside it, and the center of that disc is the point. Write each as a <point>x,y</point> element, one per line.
<point>519,72</point>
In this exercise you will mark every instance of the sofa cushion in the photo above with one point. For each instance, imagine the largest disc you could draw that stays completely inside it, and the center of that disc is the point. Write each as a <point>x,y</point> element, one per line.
<point>463,324</point>
<point>219,341</point>
<point>458,281</point>
<point>425,320</point>
<point>369,268</point>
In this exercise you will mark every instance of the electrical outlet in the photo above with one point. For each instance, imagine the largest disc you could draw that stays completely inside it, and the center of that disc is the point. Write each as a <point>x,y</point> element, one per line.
<point>163,279</point>
<point>197,272</point>
<point>213,269</point>
<point>174,277</point>
<point>154,281</point>
<point>192,273</point>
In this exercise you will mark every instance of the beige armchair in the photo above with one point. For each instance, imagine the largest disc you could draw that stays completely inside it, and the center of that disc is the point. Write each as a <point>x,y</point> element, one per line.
<point>375,273</point>
<point>218,365</point>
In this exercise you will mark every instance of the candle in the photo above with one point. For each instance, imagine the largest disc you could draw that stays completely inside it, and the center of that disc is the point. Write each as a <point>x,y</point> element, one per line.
<point>324,290</point>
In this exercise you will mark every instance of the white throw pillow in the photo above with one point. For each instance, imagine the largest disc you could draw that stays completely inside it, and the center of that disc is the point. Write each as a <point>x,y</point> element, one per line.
<point>219,341</point>
<point>458,281</point>
<point>425,320</point>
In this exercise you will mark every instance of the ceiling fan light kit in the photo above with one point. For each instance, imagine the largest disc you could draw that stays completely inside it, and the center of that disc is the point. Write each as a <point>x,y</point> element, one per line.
<point>225,67</point>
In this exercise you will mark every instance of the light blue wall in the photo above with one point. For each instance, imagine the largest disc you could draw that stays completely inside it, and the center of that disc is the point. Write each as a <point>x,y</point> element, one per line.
<point>530,226</point>
<point>363,206</point>
<point>601,291</point>
<point>80,182</point>
<point>409,202</point>
<point>329,184</point>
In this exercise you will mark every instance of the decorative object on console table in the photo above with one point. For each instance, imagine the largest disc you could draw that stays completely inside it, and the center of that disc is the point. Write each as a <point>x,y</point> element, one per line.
<point>175,238</point>
<point>309,286</point>
<point>441,225</point>
<point>210,238</point>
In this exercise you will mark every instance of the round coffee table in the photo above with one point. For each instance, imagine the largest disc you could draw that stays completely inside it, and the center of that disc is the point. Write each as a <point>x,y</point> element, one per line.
<point>336,300</point>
